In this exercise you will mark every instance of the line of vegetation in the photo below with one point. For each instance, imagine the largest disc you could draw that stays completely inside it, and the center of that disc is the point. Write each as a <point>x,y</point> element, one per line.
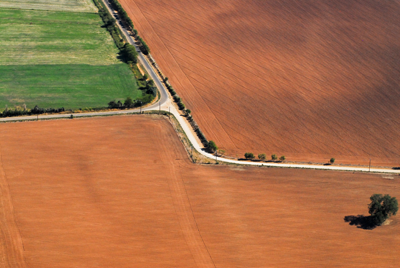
<point>122,14</point>
<point>143,46</point>
<point>110,24</point>
<point>128,54</point>
<point>188,114</point>
<point>19,111</point>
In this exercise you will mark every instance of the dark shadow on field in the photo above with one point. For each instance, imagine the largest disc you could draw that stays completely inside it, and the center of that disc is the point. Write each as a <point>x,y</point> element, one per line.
<point>327,164</point>
<point>396,168</point>
<point>361,221</point>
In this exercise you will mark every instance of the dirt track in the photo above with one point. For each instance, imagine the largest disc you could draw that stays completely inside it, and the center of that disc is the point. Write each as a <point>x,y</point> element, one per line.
<point>307,79</point>
<point>120,192</point>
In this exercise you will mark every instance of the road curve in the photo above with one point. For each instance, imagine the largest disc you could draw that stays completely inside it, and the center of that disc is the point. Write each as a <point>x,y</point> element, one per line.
<point>165,104</point>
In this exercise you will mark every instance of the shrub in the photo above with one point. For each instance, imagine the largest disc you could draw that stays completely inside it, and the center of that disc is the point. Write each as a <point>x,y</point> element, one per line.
<point>212,147</point>
<point>177,98</point>
<point>332,160</point>
<point>129,52</point>
<point>282,158</point>
<point>128,102</point>
<point>144,48</point>
<point>262,156</point>
<point>249,155</point>
<point>274,157</point>
<point>181,106</point>
<point>382,207</point>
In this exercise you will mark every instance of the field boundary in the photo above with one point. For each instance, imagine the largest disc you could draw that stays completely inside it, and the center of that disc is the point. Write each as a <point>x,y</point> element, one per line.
<point>164,104</point>
<point>190,143</point>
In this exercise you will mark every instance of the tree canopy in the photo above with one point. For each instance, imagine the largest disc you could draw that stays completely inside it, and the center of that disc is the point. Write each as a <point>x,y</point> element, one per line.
<point>249,155</point>
<point>212,147</point>
<point>130,53</point>
<point>382,207</point>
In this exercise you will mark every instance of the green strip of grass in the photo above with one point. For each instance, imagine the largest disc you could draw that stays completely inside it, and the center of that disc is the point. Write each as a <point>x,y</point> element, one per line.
<point>61,5</point>
<point>70,86</point>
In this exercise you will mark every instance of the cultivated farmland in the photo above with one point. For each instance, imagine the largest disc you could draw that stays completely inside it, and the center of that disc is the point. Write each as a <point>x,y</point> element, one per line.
<point>307,79</point>
<point>121,192</point>
<point>60,59</point>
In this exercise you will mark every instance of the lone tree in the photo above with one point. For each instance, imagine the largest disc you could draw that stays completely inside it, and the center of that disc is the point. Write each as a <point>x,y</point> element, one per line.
<point>212,147</point>
<point>262,156</point>
<point>282,158</point>
<point>249,155</point>
<point>274,157</point>
<point>382,207</point>
<point>332,160</point>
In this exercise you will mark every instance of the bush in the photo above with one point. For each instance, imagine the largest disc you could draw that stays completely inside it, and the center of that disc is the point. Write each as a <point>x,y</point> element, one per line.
<point>143,47</point>
<point>181,106</point>
<point>262,156</point>
<point>129,53</point>
<point>282,158</point>
<point>332,160</point>
<point>382,207</point>
<point>249,155</point>
<point>212,147</point>
<point>274,157</point>
<point>128,102</point>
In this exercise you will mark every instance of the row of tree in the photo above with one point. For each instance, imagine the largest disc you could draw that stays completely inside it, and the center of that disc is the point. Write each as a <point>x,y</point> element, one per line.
<point>262,157</point>
<point>187,112</point>
<point>122,13</point>
<point>109,23</point>
<point>143,46</point>
<point>18,111</point>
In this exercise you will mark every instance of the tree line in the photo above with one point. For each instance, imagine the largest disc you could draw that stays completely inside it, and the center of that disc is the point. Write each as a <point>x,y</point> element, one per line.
<point>122,13</point>
<point>18,111</point>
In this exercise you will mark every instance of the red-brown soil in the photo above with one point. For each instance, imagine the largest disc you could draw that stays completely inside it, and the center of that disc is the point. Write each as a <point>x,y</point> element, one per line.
<point>121,192</point>
<point>306,79</point>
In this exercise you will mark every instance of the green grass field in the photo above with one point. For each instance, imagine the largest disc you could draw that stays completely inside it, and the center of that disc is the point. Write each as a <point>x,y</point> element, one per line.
<point>61,5</point>
<point>66,85</point>
<point>59,59</point>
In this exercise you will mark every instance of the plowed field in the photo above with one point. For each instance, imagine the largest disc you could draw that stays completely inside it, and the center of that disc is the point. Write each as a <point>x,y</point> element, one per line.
<point>306,79</point>
<point>120,192</point>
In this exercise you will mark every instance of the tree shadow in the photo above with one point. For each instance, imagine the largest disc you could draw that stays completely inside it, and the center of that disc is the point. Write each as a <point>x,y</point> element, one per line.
<point>361,221</point>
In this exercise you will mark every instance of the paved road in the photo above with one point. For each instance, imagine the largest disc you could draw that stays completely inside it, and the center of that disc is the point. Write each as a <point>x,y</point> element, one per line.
<point>164,99</point>
<point>165,104</point>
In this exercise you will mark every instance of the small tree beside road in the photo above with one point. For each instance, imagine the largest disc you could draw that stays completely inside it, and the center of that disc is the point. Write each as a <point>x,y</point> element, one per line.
<point>332,160</point>
<point>282,158</point>
<point>249,156</point>
<point>274,157</point>
<point>262,157</point>
<point>212,147</point>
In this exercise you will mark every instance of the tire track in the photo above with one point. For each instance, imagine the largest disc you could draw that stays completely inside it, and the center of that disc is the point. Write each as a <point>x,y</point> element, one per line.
<point>11,246</point>
<point>184,212</point>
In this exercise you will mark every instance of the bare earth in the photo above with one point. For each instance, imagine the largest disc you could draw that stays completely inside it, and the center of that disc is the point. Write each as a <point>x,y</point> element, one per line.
<point>121,192</point>
<point>307,79</point>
